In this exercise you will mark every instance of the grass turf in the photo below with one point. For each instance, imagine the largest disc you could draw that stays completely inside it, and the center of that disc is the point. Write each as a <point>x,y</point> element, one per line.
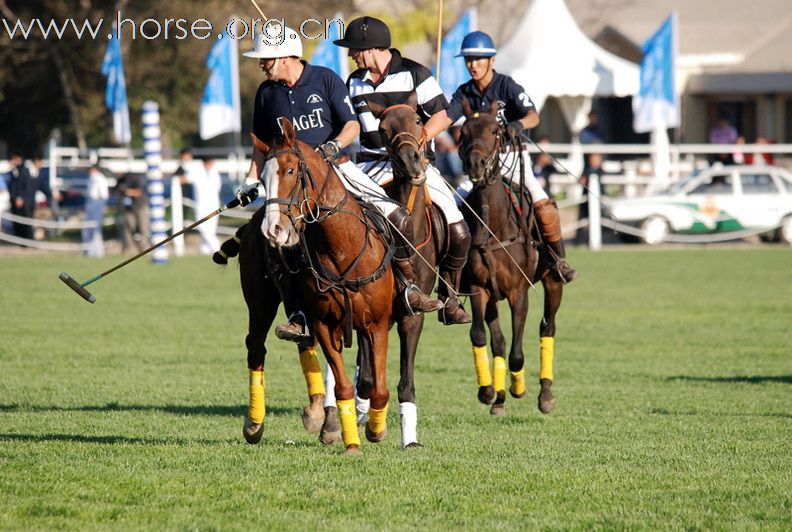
<point>673,388</point>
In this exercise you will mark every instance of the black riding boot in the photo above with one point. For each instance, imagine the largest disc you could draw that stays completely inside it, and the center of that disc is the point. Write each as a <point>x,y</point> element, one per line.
<point>550,224</point>
<point>415,300</point>
<point>453,312</point>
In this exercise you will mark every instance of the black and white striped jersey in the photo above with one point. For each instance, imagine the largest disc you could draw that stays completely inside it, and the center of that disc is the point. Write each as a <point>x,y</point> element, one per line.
<point>404,77</point>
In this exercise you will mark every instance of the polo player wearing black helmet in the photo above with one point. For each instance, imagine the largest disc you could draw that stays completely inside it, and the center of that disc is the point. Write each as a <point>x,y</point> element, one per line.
<point>385,78</point>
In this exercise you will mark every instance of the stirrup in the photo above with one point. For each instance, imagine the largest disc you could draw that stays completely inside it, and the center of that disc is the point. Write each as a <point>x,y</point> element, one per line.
<point>566,273</point>
<point>287,332</point>
<point>436,304</point>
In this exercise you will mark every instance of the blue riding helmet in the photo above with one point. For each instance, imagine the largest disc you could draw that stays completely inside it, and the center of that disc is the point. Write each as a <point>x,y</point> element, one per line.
<point>477,44</point>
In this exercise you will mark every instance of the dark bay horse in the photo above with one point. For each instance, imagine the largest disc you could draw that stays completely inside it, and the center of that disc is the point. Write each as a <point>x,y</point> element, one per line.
<point>345,278</point>
<point>505,253</point>
<point>406,141</point>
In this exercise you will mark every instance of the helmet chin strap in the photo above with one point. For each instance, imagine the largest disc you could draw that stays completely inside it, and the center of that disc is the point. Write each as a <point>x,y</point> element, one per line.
<point>275,69</point>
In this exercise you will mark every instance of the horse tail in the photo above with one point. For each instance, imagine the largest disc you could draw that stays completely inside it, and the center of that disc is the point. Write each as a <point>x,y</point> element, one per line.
<point>230,248</point>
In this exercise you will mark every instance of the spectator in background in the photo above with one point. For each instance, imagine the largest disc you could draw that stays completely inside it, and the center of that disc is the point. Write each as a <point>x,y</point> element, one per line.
<point>723,133</point>
<point>762,158</point>
<point>22,191</point>
<point>205,181</point>
<point>95,203</point>
<point>543,167</point>
<point>591,133</point>
<point>5,201</point>
<point>133,202</point>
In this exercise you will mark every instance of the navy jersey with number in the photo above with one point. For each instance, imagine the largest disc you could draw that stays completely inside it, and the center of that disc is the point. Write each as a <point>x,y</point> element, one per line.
<point>318,106</point>
<point>513,102</point>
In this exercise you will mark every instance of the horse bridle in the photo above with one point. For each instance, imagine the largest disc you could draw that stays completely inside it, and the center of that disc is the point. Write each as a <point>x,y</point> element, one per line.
<point>402,138</point>
<point>478,146</point>
<point>310,209</point>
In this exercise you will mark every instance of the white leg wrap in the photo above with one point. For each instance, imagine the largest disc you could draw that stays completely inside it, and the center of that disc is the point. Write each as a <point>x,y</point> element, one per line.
<point>330,399</point>
<point>409,423</point>
<point>361,405</point>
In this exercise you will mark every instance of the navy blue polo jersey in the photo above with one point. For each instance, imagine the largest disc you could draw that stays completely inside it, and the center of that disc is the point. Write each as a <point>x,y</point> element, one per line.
<point>513,102</point>
<point>318,106</point>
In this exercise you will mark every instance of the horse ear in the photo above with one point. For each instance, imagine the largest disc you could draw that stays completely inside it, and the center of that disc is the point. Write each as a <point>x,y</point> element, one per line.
<point>412,100</point>
<point>289,135</point>
<point>263,146</point>
<point>466,107</point>
<point>375,108</point>
<point>493,110</point>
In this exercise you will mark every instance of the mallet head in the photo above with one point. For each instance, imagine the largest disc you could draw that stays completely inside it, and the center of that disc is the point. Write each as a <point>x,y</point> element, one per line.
<point>74,285</point>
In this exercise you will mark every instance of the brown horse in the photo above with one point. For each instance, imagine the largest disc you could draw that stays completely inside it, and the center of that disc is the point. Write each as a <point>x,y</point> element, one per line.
<point>342,269</point>
<point>505,253</point>
<point>406,143</point>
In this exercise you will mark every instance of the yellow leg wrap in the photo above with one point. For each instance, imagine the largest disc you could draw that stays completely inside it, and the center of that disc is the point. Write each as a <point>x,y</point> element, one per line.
<point>312,372</point>
<point>377,419</point>
<point>499,373</point>
<point>518,382</point>
<point>349,430</point>
<point>256,408</point>
<point>481,359</point>
<point>546,352</point>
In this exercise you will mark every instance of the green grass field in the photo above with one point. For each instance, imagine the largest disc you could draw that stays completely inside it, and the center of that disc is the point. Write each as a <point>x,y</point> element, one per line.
<point>673,389</point>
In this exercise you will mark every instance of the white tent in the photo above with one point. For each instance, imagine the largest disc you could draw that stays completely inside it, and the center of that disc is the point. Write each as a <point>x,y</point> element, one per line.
<point>549,55</point>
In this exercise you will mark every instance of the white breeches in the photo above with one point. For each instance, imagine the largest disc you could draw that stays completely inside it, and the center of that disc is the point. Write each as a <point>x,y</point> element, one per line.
<point>356,181</point>
<point>439,191</point>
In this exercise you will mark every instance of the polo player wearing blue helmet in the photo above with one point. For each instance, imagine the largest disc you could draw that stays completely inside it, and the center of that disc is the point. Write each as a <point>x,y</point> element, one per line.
<point>516,112</point>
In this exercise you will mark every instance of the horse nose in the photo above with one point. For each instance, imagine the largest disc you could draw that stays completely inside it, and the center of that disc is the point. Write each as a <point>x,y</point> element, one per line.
<point>277,233</point>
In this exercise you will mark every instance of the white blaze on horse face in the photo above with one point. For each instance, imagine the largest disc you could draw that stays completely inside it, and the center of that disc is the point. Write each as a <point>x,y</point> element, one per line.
<point>276,228</point>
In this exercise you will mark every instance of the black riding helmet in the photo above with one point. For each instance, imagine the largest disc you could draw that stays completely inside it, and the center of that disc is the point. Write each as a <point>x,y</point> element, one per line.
<point>364,33</point>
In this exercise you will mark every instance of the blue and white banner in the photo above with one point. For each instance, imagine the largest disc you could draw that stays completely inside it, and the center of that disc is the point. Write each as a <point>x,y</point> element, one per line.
<point>657,103</point>
<point>115,92</point>
<point>328,54</point>
<point>220,107</point>
<point>453,72</point>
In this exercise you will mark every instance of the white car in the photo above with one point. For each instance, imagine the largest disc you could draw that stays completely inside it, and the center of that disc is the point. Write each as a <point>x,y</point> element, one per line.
<point>717,200</point>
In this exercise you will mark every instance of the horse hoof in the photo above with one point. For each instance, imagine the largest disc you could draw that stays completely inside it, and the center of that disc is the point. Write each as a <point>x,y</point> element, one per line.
<point>517,395</point>
<point>331,430</point>
<point>413,445</point>
<point>329,438</point>
<point>252,431</point>
<point>546,399</point>
<point>314,415</point>
<point>498,410</point>
<point>486,394</point>
<point>312,424</point>
<point>353,450</point>
<point>375,438</point>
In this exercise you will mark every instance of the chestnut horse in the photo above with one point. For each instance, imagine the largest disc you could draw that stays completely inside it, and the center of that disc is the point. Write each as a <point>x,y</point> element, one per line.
<point>505,238</point>
<point>343,275</point>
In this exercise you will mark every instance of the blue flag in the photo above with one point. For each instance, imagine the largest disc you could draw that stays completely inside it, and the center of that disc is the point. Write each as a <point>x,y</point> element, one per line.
<point>452,69</point>
<point>115,92</point>
<point>220,106</point>
<point>656,106</point>
<point>328,54</point>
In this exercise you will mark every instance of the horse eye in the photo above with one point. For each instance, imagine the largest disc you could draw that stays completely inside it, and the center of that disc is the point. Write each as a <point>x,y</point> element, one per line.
<point>291,171</point>
<point>495,131</point>
<point>418,121</point>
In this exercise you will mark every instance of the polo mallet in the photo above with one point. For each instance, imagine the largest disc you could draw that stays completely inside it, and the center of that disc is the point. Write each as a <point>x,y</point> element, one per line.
<point>86,295</point>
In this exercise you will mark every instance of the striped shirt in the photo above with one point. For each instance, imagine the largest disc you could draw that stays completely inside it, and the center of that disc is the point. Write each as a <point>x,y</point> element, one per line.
<point>404,77</point>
